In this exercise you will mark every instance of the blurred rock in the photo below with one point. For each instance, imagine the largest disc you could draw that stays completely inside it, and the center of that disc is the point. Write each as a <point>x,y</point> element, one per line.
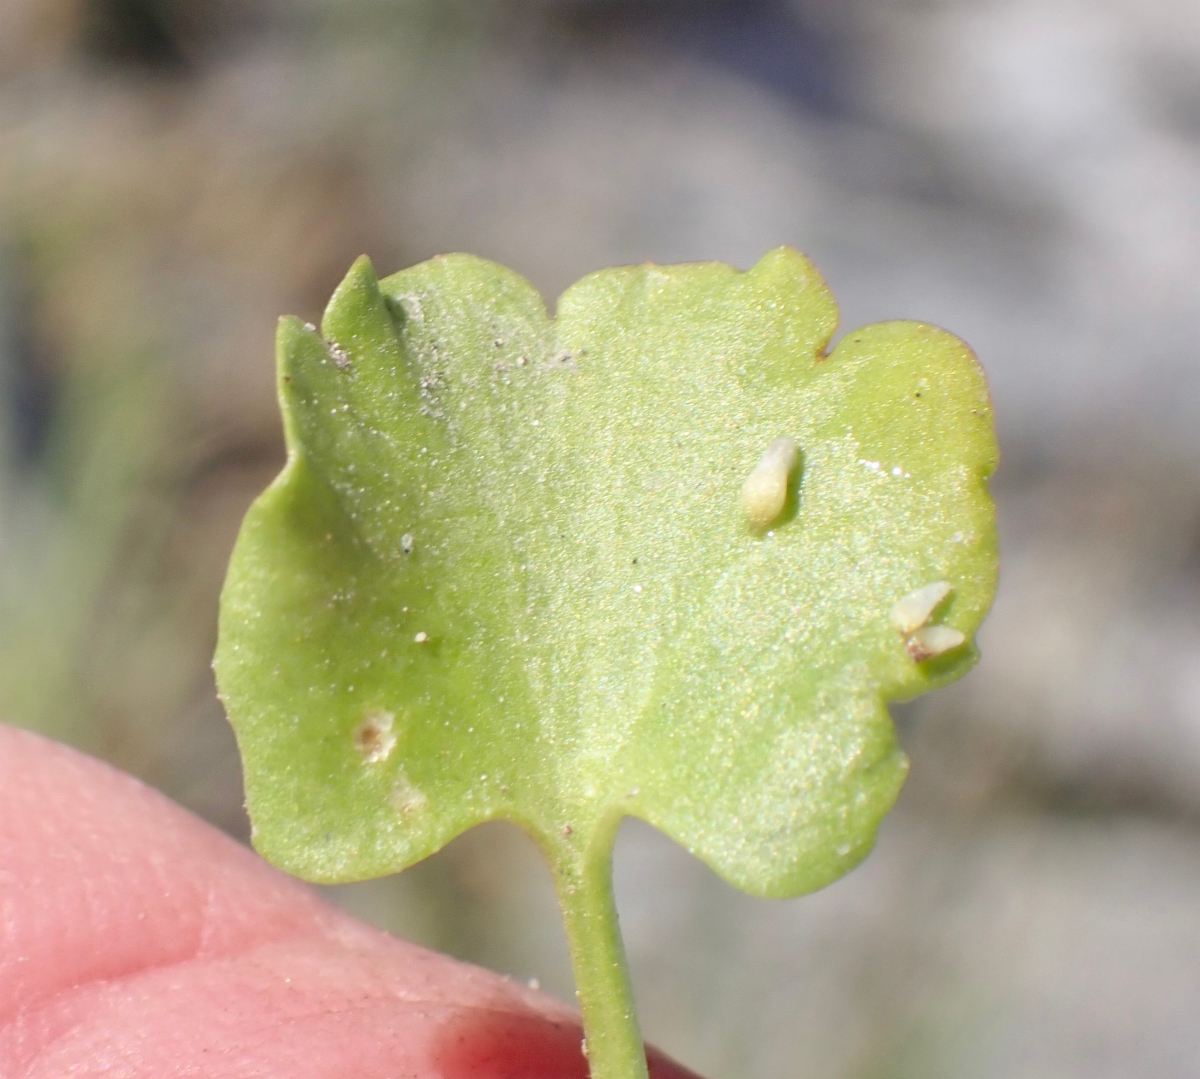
<point>1013,946</point>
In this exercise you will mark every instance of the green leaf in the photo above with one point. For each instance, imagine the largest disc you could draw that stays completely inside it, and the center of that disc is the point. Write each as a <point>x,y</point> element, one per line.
<point>508,572</point>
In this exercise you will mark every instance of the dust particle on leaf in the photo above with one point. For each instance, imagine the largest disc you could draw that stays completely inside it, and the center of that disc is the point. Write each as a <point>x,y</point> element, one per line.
<point>406,796</point>
<point>340,357</point>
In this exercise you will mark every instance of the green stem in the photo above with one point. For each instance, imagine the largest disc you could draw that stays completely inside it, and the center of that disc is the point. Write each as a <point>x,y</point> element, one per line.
<point>610,1027</point>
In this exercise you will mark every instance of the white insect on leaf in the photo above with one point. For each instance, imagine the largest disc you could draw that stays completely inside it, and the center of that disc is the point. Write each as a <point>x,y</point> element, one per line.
<point>765,491</point>
<point>912,611</point>
<point>930,641</point>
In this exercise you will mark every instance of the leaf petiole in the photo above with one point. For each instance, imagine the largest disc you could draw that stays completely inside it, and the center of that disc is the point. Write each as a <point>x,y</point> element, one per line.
<point>583,881</point>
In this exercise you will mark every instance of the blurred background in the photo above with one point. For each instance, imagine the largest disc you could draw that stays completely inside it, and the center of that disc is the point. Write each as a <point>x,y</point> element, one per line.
<point>174,174</point>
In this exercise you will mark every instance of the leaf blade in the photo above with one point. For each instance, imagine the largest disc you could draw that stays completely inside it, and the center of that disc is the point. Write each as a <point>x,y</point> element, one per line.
<point>604,633</point>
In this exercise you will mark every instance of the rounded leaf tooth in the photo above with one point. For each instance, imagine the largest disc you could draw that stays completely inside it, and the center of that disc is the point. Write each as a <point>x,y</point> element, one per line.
<point>357,318</point>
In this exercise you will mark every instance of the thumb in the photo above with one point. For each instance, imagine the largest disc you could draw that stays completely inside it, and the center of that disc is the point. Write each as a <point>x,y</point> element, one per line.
<point>137,941</point>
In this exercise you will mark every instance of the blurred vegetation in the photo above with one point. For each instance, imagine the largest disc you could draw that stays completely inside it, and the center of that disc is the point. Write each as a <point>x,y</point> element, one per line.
<point>175,174</point>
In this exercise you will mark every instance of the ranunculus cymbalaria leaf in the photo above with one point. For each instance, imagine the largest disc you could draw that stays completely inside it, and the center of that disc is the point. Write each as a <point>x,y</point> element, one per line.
<point>660,555</point>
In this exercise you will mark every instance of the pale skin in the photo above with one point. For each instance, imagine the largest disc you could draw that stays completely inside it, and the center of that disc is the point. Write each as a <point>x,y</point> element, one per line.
<point>137,941</point>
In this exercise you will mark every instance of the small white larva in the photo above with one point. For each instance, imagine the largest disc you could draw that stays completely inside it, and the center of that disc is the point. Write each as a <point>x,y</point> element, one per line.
<point>408,543</point>
<point>930,641</point>
<point>765,491</point>
<point>911,612</point>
